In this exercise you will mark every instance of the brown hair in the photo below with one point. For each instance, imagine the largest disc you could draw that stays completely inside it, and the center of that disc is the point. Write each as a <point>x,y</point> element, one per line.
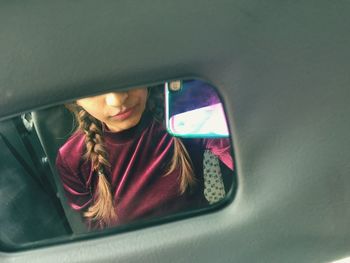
<point>102,210</point>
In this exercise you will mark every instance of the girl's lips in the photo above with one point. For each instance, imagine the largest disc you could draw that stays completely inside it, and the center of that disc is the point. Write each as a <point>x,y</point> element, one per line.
<point>124,114</point>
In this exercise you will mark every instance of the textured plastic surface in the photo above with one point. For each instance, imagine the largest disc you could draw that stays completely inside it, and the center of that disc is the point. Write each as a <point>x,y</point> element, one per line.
<point>283,70</point>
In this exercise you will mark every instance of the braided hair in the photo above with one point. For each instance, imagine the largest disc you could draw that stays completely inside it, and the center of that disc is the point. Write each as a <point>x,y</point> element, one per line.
<point>102,209</point>
<point>181,158</point>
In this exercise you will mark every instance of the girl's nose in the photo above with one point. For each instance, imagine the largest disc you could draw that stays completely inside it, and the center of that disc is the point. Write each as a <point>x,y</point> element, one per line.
<point>116,99</point>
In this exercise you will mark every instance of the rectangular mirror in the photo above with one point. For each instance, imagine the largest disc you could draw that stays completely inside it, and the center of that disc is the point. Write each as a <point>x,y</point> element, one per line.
<point>114,161</point>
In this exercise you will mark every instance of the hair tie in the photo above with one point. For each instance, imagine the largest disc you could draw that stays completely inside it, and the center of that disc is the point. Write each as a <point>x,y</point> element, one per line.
<point>100,172</point>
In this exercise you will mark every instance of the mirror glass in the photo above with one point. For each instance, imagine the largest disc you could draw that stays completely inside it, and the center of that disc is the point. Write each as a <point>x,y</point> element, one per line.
<point>113,161</point>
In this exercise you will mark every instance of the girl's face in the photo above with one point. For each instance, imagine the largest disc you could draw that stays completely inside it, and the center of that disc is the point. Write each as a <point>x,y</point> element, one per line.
<point>118,110</point>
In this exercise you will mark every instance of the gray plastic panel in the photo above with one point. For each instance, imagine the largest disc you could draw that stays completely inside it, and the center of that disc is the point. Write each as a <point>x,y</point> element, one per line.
<point>283,68</point>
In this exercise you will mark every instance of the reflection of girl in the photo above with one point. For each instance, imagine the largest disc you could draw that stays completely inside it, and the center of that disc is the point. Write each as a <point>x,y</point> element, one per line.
<point>132,168</point>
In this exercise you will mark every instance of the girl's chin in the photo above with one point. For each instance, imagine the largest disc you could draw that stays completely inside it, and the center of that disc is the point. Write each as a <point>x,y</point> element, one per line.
<point>126,124</point>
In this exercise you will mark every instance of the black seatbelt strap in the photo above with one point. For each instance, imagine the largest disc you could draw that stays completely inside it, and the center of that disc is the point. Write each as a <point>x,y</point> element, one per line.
<point>37,161</point>
<point>52,195</point>
<point>21,160</point>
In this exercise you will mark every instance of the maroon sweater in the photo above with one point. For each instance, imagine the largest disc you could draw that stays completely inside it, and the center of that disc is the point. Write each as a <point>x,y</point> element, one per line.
<point>139,157</point>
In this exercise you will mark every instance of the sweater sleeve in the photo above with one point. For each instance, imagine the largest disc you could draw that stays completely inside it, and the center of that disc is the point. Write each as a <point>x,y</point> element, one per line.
<point>78,196</point>
<point>222,149</point>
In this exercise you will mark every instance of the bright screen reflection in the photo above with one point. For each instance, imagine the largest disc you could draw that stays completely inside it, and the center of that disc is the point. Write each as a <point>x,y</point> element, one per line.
<point>194,109</point>
<point>207,121</point>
